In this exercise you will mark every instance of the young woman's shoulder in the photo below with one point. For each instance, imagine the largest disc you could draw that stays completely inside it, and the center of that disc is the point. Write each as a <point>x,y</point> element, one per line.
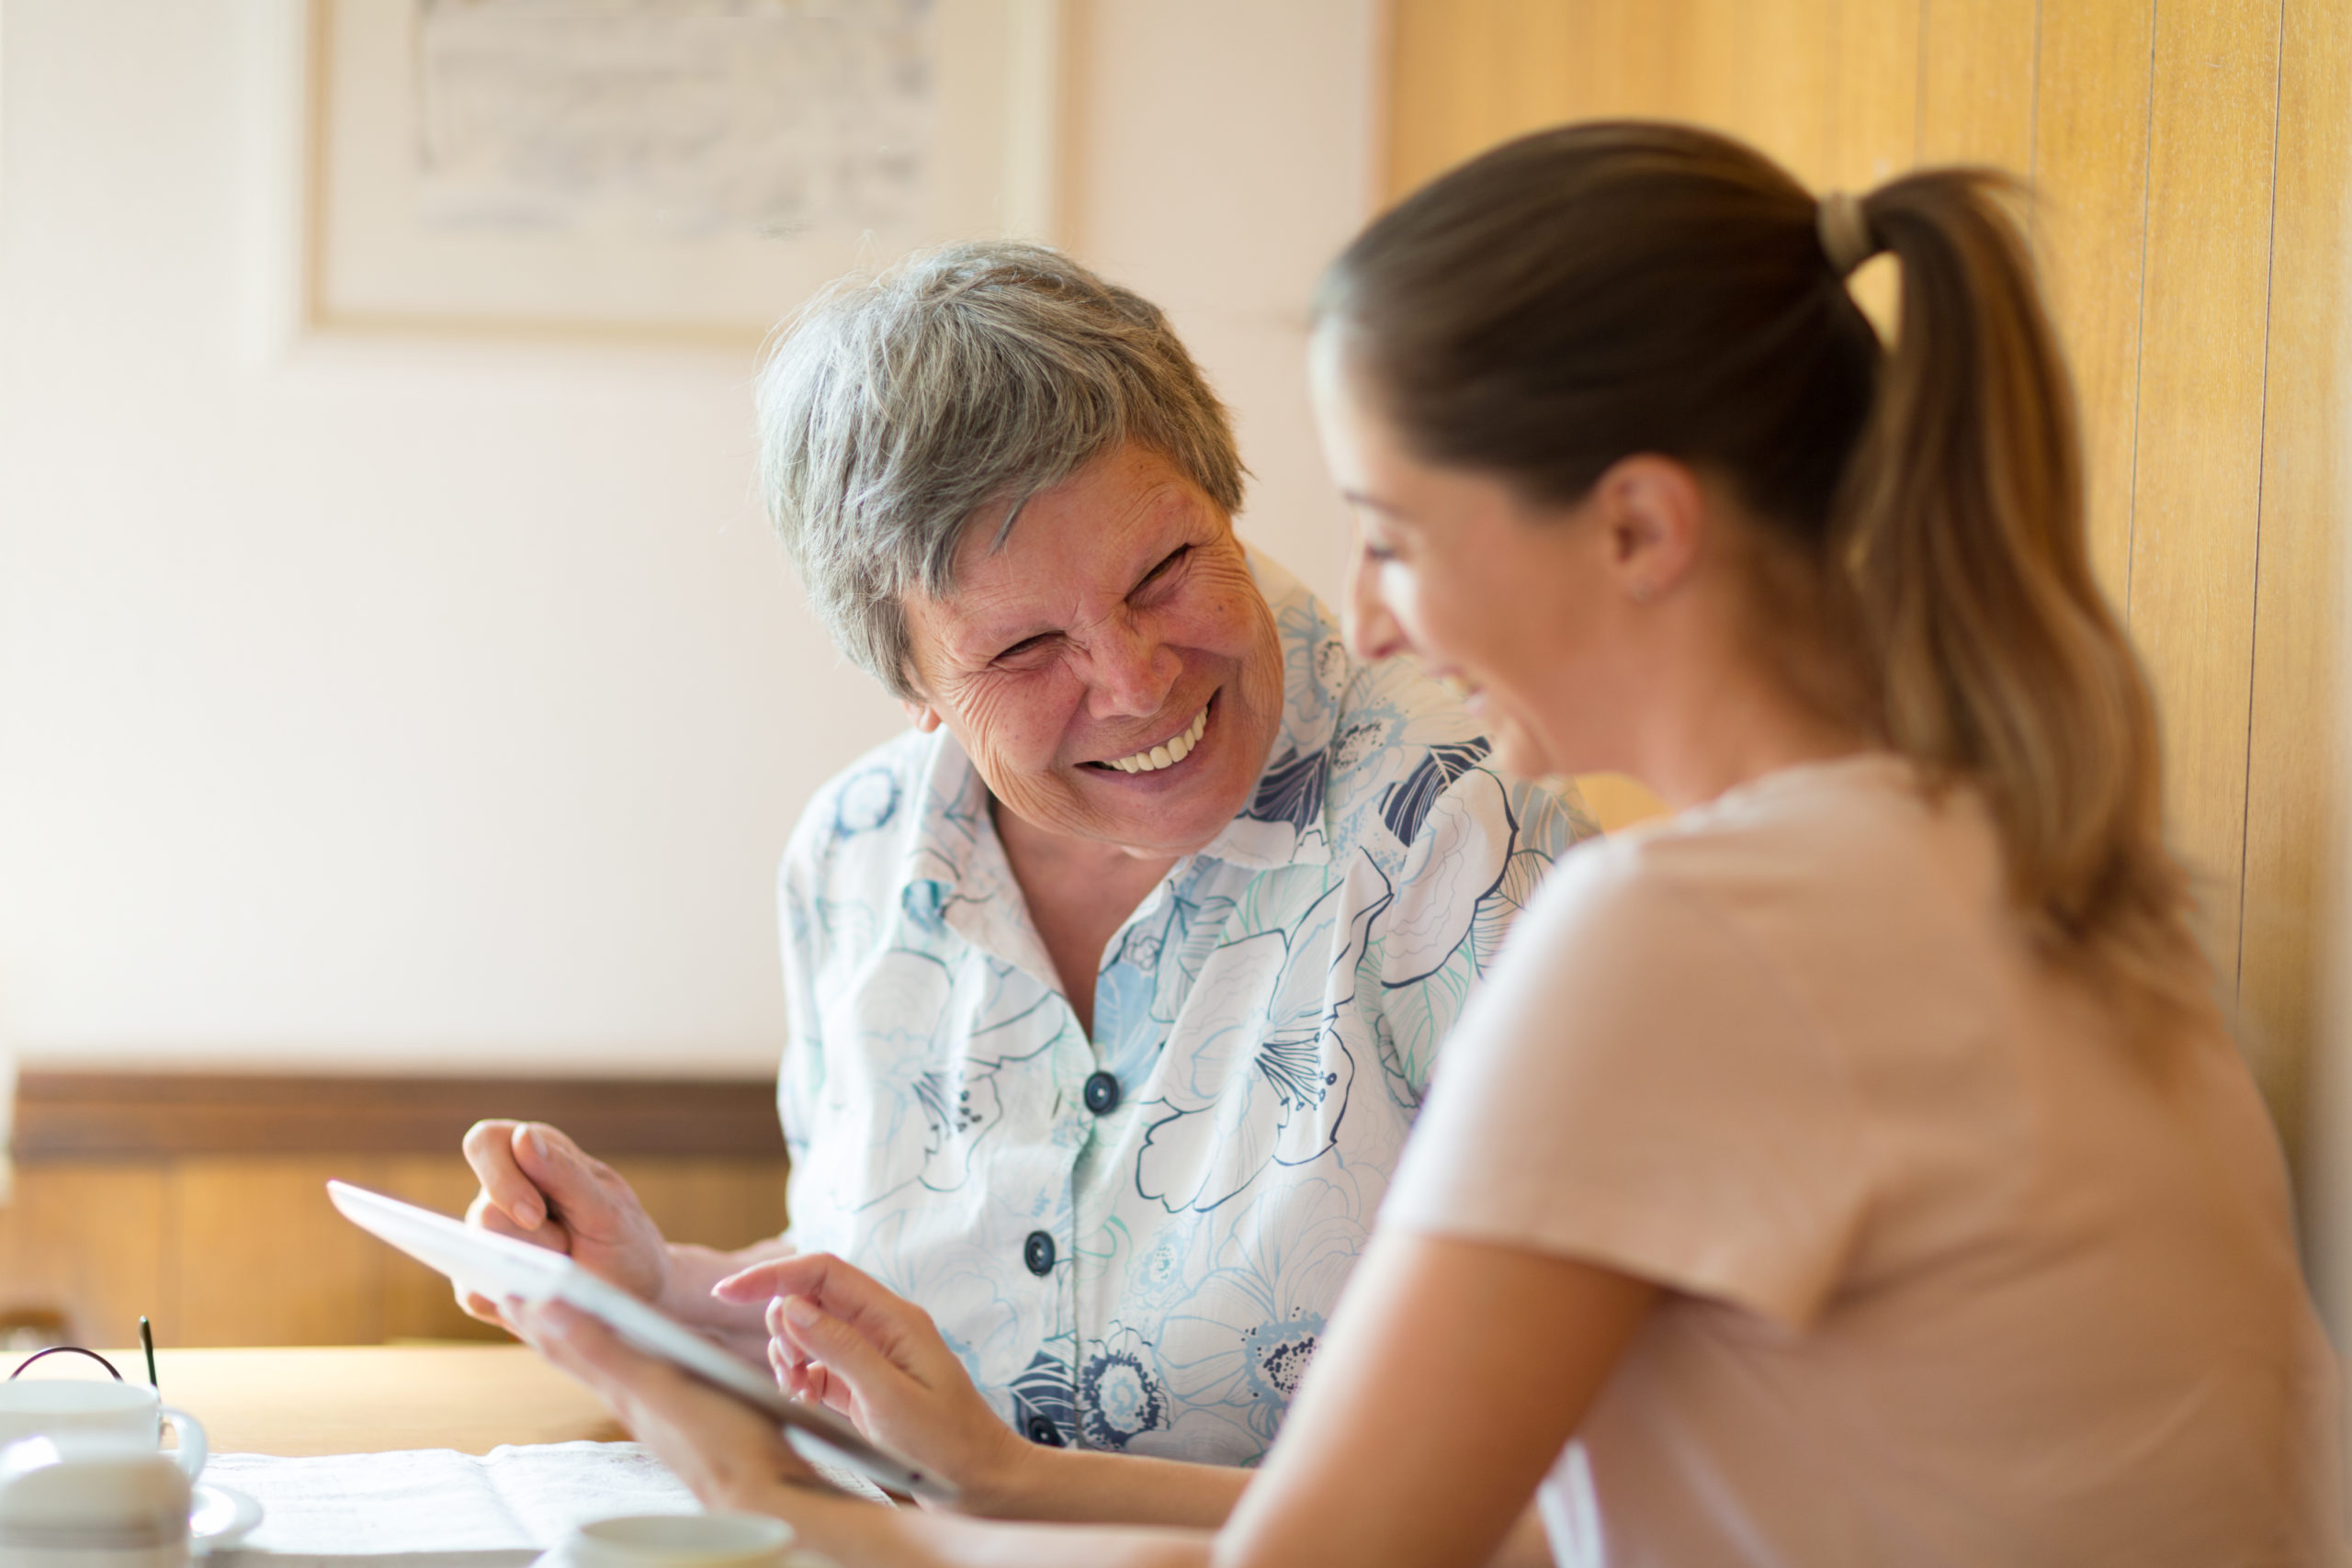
<point>1843,824</point>
<point>1812,863</point>
<point>1655,1075</point>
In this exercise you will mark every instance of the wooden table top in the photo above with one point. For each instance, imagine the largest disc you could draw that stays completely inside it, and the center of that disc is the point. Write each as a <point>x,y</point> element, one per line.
<point>365,1398</point>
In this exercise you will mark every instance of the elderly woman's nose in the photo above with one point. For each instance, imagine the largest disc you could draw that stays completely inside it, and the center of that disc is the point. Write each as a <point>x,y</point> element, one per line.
<point>1131,670</point>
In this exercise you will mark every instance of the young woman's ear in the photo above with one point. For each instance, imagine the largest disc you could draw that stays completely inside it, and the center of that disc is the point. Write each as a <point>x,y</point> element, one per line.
<point>1652,514</point>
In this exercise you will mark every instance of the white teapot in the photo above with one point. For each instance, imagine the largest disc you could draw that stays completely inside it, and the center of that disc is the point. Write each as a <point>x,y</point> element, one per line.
<point>85,1499</point>
<point>129,1412</point>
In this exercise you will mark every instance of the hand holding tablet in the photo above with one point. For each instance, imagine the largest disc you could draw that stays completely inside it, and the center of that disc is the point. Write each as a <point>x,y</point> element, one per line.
<point>498,1267</point>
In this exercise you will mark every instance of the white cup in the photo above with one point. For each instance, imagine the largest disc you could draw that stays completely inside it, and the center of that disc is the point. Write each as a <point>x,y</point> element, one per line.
<point>84,1499</point>
<point>130,1413</point>
<point>679,1540</point>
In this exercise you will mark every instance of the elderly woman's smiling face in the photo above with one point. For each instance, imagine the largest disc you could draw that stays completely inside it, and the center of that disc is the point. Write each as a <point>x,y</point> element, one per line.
<point>1111,669</point>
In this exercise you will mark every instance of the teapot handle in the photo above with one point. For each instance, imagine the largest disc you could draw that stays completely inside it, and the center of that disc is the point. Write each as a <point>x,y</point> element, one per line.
<point>191,1453</point>
<point>63,1350</point>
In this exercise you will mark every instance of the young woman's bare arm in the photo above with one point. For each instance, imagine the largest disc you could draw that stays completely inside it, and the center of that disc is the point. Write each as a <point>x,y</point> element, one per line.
<point>842,1337</point>
<point>1453,1376</point>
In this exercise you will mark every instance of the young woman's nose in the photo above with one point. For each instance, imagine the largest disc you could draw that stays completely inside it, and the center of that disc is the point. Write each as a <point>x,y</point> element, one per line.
<point>1372,631</point>
<point>1132,670</point>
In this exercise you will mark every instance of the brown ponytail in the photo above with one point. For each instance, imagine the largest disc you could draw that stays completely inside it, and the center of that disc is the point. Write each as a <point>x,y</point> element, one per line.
<point>1960,522</point>
<point>1587,293</point>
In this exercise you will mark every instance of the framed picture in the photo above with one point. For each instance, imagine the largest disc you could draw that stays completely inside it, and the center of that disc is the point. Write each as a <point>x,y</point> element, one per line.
<point>681,169</point>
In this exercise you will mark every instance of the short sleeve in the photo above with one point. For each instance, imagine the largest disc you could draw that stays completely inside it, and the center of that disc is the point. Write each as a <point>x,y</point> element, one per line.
<point>1637,1086</point>
<point>803,1070</point>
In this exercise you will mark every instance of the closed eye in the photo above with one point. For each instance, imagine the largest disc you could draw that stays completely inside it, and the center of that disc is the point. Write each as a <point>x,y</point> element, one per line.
<point>1026,645</point>
<point>1168,564</point>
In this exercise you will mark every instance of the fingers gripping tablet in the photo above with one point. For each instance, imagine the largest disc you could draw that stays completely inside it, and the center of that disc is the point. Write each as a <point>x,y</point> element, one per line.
<point>498,1267</point>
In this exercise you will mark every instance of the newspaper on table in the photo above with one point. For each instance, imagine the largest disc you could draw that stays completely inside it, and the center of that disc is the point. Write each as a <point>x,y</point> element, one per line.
<point>440,1508</point>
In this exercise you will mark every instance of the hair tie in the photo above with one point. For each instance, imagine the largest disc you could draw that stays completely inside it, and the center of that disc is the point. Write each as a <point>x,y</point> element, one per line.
<point>1845,233</point>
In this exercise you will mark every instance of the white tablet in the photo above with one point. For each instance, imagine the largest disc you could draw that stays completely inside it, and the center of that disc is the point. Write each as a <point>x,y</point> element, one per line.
<point>499,1266</point>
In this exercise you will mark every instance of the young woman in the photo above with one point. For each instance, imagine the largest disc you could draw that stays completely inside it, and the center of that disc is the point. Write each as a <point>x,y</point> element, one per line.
<point>1854,1162</point>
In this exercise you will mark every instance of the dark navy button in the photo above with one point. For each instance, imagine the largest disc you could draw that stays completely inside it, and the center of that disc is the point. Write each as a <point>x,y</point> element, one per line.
<point>1041,1430</point>
<point>1102,1094</point>
<point>1038,1253</point>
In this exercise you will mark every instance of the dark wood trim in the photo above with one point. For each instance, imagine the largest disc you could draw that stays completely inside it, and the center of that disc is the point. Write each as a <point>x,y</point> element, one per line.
<point>63,1116</point>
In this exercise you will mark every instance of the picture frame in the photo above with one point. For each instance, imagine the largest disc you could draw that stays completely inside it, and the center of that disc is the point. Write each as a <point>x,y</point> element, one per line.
<point>664,171</point>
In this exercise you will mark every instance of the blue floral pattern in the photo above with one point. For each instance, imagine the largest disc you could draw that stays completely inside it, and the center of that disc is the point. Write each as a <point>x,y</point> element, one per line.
<point>1270,1014</point>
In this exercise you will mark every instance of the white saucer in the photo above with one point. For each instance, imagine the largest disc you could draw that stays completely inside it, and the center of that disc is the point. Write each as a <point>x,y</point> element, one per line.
<point>219,1517</point>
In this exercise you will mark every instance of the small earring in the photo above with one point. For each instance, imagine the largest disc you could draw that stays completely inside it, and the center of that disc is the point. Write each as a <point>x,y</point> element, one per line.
<point>1641,593</point>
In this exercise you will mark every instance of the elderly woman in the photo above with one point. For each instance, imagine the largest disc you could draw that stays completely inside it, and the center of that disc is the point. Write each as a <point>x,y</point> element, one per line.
<point>1117,981</point>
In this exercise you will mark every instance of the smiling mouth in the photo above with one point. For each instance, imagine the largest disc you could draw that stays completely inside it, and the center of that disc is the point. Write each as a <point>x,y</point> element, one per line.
<point>1167,754</point>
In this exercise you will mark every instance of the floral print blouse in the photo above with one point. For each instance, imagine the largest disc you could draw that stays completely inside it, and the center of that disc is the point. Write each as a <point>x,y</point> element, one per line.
<point>1132,1240</point>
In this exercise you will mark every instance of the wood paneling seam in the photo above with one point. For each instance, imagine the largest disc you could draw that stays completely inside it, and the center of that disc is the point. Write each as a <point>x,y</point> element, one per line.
<point>2034,149</point>
<point>2140,333</point>
<point>1920,103</point>
<point>2261,479</point>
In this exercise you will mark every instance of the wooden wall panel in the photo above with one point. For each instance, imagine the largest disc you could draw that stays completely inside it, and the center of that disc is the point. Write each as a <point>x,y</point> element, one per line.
<point>2090,176</point>
<point>2203,315</point>
<point>256,1257</point>
<point>1529,90</point>
<point>255,1254</point>
<point>162,1115</point>
<point>1976,98</point>
<point>1434,68</point>
<point>1470,74</point>
<point>1873,93</point>
<point>1626,60</point>
<point>245,1250</point>
<point>1476,75</point>
<point>86,1241</point>
<point>213,1221</point>
<point>2197,486</point>
<point>2295,765</point>
<point>1760,69</point>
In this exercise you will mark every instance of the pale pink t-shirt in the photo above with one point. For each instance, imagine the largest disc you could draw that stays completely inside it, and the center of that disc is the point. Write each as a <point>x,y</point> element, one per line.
<point>1962,1272</point>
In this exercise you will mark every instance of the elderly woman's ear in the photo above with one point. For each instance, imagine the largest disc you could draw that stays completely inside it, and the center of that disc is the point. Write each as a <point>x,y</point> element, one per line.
<point>919,713</point>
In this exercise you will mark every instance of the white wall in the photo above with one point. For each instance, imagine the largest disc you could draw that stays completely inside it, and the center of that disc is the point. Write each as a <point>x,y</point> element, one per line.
<point>1230,152</point>
<point>447,707</point>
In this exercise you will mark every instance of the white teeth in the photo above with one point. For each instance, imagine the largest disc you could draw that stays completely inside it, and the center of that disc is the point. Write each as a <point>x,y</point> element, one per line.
<point>1168,753</point>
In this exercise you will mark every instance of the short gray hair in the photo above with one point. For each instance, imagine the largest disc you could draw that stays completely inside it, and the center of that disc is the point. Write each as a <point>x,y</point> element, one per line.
<point>893,407</point>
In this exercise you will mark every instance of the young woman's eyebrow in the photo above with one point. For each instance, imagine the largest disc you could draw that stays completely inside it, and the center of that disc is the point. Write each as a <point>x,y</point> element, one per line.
<point>1373,504</point>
